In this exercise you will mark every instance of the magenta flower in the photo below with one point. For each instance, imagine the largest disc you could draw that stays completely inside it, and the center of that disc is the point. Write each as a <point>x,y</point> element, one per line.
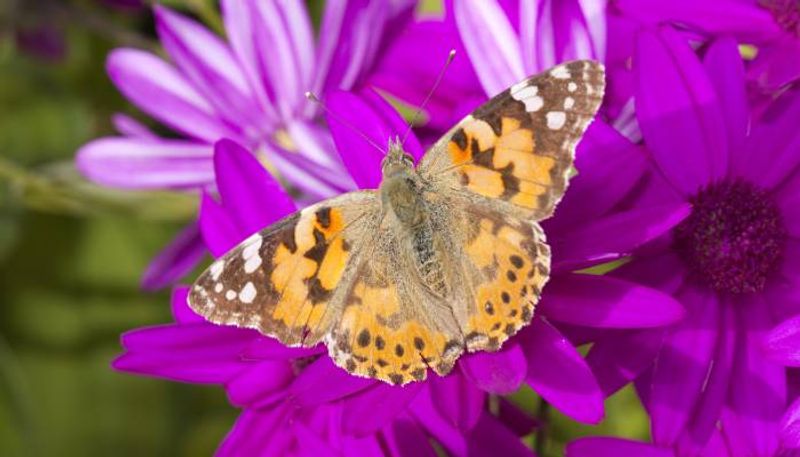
<point>773,26</point>
<point>251,89</point>
<point>498,44</point>
<point>295,397</point>
<point>732,263</point>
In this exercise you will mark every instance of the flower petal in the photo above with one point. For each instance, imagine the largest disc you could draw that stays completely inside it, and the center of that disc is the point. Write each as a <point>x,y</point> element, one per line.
<point>790,426</point>
<point>258,381</point>
<point>220,231</point>
<point>682,366</point>
<point>245,186</point>
<point>371,409</point>
<point>457,399</point>
<point>404,437</point>
<point>361,157</point>
<point>490,39</point>
<point>136,163</point>
<point>725,69</point>
<point>745,20</point>
<point>619,358</point>
<point>180,307</point>
<point>675,95</point>
<point>176,260</point>
<point>200,353</point>
<point>613,447</point>
<point>757,392</point>
<point>162,92</point>
<point>559,374</point>
<point>500,372</point>
<point>209,64</point>
<point>774,142</point>
<point>322,382</point>
<point>616,235</point>
<point>607,302</point>
<point>492,438</point>
<point>609,166</point>
<point>783,342</point>
<point>439,427</point>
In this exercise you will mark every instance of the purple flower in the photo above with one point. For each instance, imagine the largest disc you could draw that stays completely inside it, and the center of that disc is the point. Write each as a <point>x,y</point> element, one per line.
<point>732,262</point>
<point>498,44</point>
<point>250,89</point>
<point>290,396</point>
<point>773,26</point>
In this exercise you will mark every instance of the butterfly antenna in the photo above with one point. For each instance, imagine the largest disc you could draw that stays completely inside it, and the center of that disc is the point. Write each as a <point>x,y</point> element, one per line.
<point>439,77</point>
<point>315,99</point>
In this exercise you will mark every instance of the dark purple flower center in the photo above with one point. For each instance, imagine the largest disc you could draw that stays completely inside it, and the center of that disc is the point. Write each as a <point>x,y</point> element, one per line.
<point>786,14</point>
<point>734,237</point>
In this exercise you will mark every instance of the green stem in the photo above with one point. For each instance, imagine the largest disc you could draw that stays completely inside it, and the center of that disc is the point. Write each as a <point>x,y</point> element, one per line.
<point>543,415</point>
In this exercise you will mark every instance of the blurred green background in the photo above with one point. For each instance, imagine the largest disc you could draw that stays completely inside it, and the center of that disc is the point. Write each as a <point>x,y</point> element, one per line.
<point>71,254</point>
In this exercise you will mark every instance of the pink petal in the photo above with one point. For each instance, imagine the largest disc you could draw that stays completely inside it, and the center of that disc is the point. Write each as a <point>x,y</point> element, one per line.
<point>144,164</point>
<point>615,235</point>
<point>619,358</point>
<point>245,187</point>
<point>371,409</point>
<point>674,94</point>
<point>603,301</point>
<point>210,65</point>
<point>176,260</point>
<point>682,365</point>
<point>458,400</point>
<point>500,372</point>
<point>180,307</point>
<point>559,374</point>
<point>614,447</point>
<point>162,92</point>
<point>490,39</point>
<point>783,342</point>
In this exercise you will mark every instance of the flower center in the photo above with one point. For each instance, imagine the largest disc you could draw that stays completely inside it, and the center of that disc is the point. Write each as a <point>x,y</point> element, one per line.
<point>734,237</point>
<point>786,14</point>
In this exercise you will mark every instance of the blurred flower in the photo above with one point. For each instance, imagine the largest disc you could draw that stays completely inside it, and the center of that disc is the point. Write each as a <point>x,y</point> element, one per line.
<point>733,262</point>
<point>773,26</point>
<point>293,395</point>
<point>498,44</point>
<point>250,89</point>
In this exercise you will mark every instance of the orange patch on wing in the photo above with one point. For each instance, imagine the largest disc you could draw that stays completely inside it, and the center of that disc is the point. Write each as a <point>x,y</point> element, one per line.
<point>333,264</point>
<point>505,303</point>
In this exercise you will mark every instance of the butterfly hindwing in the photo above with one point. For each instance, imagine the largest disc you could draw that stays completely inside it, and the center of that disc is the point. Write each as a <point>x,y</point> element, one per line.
<point>519,146</point>
<point>281,281</point>
<point>506,263</point>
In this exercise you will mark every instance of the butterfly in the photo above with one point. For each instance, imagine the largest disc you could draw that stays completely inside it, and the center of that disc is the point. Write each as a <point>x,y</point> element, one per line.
<point>443,258</point>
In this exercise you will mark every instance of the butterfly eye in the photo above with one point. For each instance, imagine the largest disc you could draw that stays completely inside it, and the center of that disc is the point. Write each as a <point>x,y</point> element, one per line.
<point>408,160</point>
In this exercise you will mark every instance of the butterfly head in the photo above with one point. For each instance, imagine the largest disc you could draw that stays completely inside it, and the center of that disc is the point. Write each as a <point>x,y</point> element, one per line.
<point>397,160</point>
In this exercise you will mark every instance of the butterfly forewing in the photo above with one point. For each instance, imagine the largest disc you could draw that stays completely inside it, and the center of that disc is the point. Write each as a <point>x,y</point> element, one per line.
<point>282,280</point>
<point>519,147</point>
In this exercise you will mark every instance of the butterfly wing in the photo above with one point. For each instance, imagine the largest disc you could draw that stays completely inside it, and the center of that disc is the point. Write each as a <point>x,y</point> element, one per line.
<point>519,146</point>
<point>283,280</point>
<point>392,327</point>
<point>505,263</point>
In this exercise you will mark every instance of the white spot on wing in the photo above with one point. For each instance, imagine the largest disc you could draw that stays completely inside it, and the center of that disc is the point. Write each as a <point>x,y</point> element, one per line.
<point>561,72</point>
<point>251,246</point>
<point>218,287</point>
<point>556,120</point>
<point>572,87</point>
<point>216,269</point>
<point>569,102</point>
<point>230,295</point>
<point>248,293</point>
<point>252,264</point>
<point>527,95</point>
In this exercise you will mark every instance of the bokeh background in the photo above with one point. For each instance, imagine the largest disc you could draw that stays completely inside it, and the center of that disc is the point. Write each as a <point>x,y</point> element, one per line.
<point>72,254</point>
